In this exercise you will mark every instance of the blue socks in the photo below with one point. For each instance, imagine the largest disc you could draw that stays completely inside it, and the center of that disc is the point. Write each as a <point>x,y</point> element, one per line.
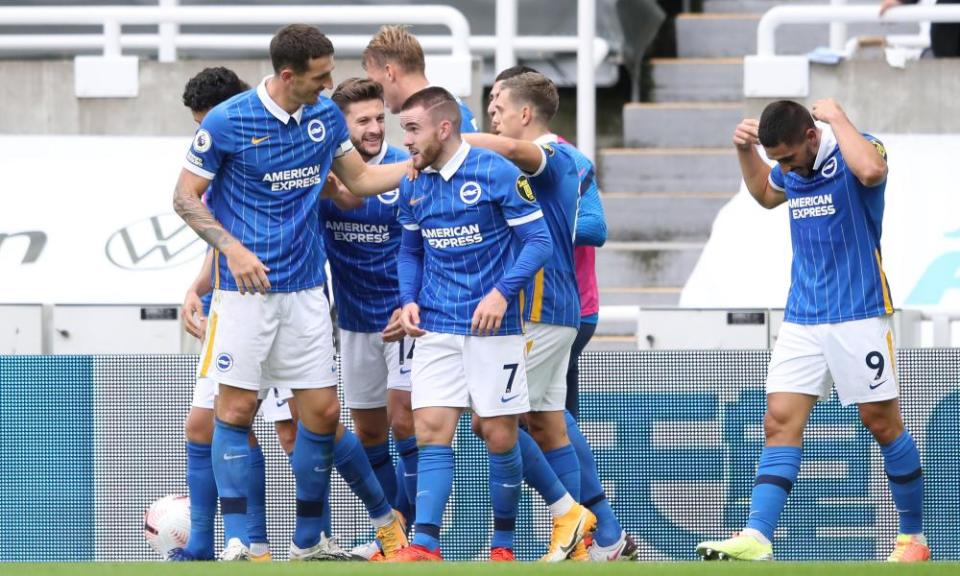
<point>776,474</point>
<point>231,467</point>
<point>901,461</point>
<point>537,471</point>
<point>565,463</point>
<point>407,469</point>
<point>434,483</point>
<point>312,460</point>
<point>591,491</point>
<point>382,465</point>
<point>353,466</point>
<point>257,497</point>
<point>506,476</point>
<point>203,501</point>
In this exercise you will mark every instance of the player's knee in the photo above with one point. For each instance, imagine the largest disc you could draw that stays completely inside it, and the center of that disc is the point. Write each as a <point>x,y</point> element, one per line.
<point>198,426</point>
<point>498,436</point>
<point>476,426</point>
<point>326,413</point>
<point>780,425</point>
<point>238,411</point>
<point>369,433</point>
<point>884,425</point>
<point>286,434</point>
<point>402,424</point>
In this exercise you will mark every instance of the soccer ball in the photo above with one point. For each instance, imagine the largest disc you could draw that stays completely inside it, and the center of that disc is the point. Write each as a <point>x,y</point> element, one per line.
<point>166,524</point>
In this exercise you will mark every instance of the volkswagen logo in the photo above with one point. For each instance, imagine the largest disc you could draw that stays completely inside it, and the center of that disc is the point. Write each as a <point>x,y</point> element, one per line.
<point>158,242</point>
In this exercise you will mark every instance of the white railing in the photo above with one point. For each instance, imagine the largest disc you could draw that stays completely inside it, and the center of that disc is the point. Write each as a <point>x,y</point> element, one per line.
<point>505,44</point>
<point>771,21</point>
<point>113,17</point>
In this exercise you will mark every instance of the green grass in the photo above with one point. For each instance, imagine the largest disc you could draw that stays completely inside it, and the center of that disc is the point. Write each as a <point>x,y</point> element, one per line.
<point>484,569</point>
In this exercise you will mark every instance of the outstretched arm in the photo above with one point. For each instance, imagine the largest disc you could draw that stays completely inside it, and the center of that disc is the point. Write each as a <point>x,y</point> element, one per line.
<point>363,180</point>
<point>527,156</point>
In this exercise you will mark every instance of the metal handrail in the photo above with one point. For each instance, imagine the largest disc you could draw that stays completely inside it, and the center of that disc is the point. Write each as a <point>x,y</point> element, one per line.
<point>780,15</point>
<point>113,17</point>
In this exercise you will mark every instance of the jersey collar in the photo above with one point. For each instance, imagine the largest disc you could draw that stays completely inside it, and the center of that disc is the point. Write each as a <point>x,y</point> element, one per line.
<point>378,159</point>
<point>548,138</point>
<point>828,143</point>
<point>274,108</point>
<point>454,163</point>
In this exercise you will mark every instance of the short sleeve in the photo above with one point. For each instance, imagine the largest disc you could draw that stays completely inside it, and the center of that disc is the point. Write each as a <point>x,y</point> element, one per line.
<point>341,133</point>
<point>514,193</point>
<point>212,144</point>
<point>776,179</point>
<point>878,145</point>
<point>405,215</point>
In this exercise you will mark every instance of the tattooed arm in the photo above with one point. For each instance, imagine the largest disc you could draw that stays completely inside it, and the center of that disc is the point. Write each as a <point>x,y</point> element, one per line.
<point>248,271</point>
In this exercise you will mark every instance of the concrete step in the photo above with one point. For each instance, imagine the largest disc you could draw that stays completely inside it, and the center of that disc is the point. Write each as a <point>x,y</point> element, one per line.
<point>681,124</point>
<point>760,6</point>
<point>669,170</point>
<point>647,264</point>
<point>697,79</point>
<point>639,295</point>
<point>607,343</point>
<point>667,216</point>
<point>726,35</point>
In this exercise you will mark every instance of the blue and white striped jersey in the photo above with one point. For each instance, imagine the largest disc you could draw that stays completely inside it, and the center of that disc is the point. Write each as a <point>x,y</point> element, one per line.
<point>553,297</point>
<point>468,123</point>
<point>267,169</point>
<point>362,246</point>
<point>835,226</point>
<point>464,213</point>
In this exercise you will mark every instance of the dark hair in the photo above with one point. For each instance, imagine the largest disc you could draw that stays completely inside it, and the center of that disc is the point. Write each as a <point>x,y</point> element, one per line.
<point>784,122</point>
<point>354,90</point>
<point>295,45</point>
<point>536,90</point>
<point>512,71</point>
<point>440,104</point>
<point>210,87</point>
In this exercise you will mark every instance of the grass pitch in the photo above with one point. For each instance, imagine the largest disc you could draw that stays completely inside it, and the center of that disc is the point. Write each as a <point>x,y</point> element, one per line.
<point>482,569</point>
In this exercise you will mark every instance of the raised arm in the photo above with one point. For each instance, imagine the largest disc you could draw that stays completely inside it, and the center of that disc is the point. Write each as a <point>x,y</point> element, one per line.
<point>865,159</point>
<point>756,172</point>
<point>364,180</point>
<point>527,156</point>
<point>247,269</point>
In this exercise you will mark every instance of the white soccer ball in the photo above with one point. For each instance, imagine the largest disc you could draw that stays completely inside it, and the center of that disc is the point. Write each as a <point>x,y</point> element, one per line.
<point>166,524</point>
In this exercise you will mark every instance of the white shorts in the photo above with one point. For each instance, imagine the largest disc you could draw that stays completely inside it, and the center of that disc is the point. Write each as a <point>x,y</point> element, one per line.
<point>274,408</point>
<point>281,339</point>
<point>486,373</point>
<point>369,367</point>
<point>548,356</point>
<point>856,357</point>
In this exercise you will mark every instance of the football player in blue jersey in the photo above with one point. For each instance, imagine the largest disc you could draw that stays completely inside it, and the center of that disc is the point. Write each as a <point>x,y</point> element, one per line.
<point>362,244</point>
<point>473,237</point>
<point>394,59</point>
<point>524,107</point>
<point>837,331</point>
<point>201,93</point>
<point>266,154</point>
